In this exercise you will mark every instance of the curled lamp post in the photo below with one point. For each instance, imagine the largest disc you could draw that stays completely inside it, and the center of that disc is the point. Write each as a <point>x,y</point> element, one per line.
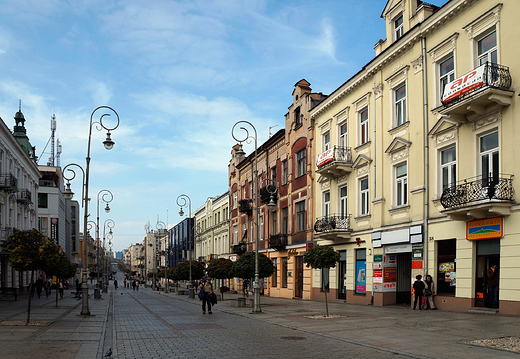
<point>240,155</point>
<point>109,223</point>
<point>183,201</point>
<point>160,226</point>
<point>105,196</point>
<point>109,144</point>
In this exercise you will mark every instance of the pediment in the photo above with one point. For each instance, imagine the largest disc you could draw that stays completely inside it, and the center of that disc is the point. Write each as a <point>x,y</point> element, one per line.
<point>390,5</point>
<point>443,125</point>
<point>397,144</point>
<point>361,161</point>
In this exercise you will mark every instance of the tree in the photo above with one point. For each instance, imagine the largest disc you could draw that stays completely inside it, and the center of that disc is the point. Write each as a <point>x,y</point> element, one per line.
<point>56,262</point>
<point>220,269</point>
<point>321,257</point>
<point>182,271</point>
<point>244,267</point>
<point>25,255</point>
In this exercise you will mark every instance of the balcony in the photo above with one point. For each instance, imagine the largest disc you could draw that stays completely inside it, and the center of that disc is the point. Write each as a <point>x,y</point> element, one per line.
<point>333,227</point>
<point>5,233</point>
<point>245,206</point>
<point>24,197</point>
<point>240,248</point>
<point>335,162</point>
<point>278,241</point>
<point>479,197</point>
<point>478,92</point>
<point>8,183</point>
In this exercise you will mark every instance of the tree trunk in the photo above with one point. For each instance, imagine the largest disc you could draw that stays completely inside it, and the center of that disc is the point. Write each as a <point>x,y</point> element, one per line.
<point>57,290</point>
<point>326,304</point>
<point>31,292</point>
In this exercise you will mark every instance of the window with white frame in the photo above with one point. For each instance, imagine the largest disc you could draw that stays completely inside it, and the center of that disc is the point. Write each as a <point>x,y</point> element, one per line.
<point>301,163</point>
<point>363,126</point>
<point>275,222</point>
<point>343,135</point>
<point>448,167</point>
<point>487,49</point>
<point>446,73</point>
<point>326,204</point>
<point>284,172</point>
<point>363,196</point>
<point>244,231</point>
<point>261,227</point>
<point>401,183</point>
<point>343,201</point>
<point>398,27</point>
<point>326,141</point>
<point>273,174</point>
<point>400,105</point>
<point>489,156</point>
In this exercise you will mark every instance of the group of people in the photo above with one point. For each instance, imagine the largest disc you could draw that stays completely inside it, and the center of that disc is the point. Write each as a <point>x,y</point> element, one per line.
<point>423,289</point>
<point>134,283</point>
<point>46,286</point>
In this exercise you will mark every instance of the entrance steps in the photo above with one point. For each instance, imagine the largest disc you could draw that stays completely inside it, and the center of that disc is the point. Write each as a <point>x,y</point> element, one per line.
<point>483,310</point>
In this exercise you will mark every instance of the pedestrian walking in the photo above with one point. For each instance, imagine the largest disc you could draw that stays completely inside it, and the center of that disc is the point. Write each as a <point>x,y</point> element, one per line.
<point>46,288</point>
<point>60,290</point>
<point>133,284</point>
<point>245,287</point>
<point>418,287</point>
<point>204,292</point>
<point>115,283</point>
<point>124,283</point>
<point>39,286</point>
<point>137,285</point>
<point>428,293</point>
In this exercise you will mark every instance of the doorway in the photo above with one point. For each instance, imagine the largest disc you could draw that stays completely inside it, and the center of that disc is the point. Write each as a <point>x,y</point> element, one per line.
<point>488,255</point>
<point>342,275</point>
<point>404,278</point>
<point>298,277</point>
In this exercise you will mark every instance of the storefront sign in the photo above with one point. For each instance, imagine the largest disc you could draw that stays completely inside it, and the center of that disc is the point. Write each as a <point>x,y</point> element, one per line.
<point>389,287</point>
<point>417,264</point>
<point>417,251</point>
<point>310,245</point>
<point>377,265</point>
<point>398,248</point>
<point>361,277</point>
<point>485,228</point>
<point>378,276</point>
<point>378,258</point>
<point>463,84</point>
<point>326,157</point>
<point>389,274</point>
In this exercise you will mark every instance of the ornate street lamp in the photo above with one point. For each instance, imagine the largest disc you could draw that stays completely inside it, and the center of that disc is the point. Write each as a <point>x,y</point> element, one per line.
<point>109,223</point>
<point>240,155</point>
<point>106,196</point>
<point>109,144</point>
<point>183,201</point>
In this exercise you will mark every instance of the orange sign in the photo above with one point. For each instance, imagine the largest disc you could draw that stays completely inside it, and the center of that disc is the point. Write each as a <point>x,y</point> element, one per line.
<point>417,264</point>
<point>485,228</point>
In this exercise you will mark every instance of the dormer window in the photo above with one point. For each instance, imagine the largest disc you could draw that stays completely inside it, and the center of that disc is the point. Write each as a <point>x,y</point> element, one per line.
<point>398,27</point>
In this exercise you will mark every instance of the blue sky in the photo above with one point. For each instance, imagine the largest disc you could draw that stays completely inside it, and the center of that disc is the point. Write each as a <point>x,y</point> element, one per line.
<point>179,74</point>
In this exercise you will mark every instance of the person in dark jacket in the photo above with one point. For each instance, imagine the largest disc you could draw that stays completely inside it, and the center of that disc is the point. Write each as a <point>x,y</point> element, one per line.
<point>39,286</point>
<point>208,288</point>
<point>492,286</point>
<point>428,292</point>
<point>418,287</point>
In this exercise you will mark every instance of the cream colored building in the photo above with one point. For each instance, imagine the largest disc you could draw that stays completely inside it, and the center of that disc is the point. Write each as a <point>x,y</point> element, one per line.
<point>417,146</point>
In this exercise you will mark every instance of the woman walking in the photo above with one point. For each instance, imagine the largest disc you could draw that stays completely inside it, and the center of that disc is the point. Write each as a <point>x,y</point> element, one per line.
<point>207,288</point>
<point>428,293</point>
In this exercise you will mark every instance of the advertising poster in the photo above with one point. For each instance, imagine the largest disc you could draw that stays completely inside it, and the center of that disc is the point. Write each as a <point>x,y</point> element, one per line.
<point>390,274</point>
<point>361,278</point>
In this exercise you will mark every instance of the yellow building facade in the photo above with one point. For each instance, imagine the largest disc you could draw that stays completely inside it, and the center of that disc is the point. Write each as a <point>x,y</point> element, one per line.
<point>412,172</point>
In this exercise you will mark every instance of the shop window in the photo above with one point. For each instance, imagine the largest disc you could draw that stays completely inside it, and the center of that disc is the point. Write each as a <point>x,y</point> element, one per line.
<point>361,271</point>
<point>325,280</point>
<point>447,265</point>
<point>274,282</point>
<point>284,272</point>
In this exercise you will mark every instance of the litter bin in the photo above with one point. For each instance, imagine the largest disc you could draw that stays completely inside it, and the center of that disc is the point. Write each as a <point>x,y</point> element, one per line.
<point>97,293</point>
<point>192,293</point>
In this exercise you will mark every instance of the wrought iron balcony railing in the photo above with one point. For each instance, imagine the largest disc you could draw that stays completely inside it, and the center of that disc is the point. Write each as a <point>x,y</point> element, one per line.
<point>24,196</point>
<point>495,76</point>
<point>335,154</point>
<point>278,241</point>
<point>8,183</point>
<point>476,189</point>
<point>332,223</point>
<point>5,233</point>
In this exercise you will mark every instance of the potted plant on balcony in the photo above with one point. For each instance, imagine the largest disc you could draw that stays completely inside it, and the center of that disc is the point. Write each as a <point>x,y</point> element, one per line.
<point>245,205</point>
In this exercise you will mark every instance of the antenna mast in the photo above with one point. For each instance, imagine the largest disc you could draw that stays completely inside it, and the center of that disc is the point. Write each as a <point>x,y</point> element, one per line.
<point>53,132</point>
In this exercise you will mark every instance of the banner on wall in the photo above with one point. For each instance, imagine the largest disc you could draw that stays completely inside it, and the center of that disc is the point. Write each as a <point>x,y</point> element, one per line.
<point>361,277</point>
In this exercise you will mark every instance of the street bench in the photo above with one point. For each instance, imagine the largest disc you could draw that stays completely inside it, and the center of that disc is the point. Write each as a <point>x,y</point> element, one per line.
<point>182,291</point>
<point>9,291</point>
<point>238,302</point>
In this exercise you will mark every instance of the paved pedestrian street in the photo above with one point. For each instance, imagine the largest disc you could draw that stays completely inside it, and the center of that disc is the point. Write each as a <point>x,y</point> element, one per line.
<point>152,324</point>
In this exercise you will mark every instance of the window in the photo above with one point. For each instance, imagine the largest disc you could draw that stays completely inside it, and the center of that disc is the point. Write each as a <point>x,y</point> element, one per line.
<point>301,163</point>
<point>325,280</point>
<point>361,270</point>
<point>284,272</point>
<point>284,172</point>
<point>261,227</point>
<point>363,126</point>
<point>1,160</point>
<point>489,156</point>
<point>244,232</point>
<point>446,264</point>
<point>446,73</point>
<point>401,182</point>
<point>235,200</point>
<point>273,174</point>
<point>400,105</point>
<point>363,185</point>
<point>300,216</point>
<point>343,135</point>
<point>274,281</point>
<point>487,49</point>
<point>42,200</point>
<point>285,220</point>
<point>326,204</point>
<point>398,27</point>
<point>326,141</point>
<point>448,167</point>
<point>343,201</point>
<point>297,118</point>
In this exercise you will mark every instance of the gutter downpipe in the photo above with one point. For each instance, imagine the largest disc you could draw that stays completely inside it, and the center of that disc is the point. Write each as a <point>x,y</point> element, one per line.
<point>426,157</point>
<point>375,140</point>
